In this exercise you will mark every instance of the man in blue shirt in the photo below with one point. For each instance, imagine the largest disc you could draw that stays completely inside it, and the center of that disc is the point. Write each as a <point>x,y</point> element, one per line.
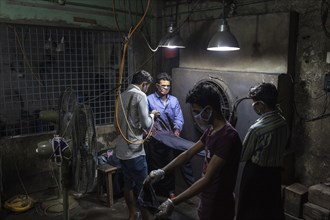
<point>170,121</point>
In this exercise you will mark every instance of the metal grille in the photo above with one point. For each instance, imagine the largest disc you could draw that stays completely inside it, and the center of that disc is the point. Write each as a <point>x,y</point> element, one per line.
<point>37,63</point>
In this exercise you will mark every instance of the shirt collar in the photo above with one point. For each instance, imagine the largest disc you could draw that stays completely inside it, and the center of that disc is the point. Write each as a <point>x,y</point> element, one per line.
<point>158,96</point>
<point>267,114</point>
<point>136,87</point>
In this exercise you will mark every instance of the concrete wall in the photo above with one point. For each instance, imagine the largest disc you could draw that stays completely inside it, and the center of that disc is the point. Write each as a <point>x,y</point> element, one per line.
<point>263,39</point>
<point>87,13</point>
<point>310,141</point>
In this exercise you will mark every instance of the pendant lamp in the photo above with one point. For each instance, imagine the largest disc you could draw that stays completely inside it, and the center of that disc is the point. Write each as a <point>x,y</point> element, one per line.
<point>172,39</point>
<point>223,39</point>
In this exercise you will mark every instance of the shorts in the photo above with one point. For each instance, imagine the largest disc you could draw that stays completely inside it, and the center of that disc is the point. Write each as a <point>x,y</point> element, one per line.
<point>135,170</point>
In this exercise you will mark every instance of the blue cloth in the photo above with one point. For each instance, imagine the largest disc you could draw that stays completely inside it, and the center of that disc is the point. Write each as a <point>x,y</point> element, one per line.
<point>177,143</point>
<point>171,113</point>
<point>110,158</point>
<point>164,145</point>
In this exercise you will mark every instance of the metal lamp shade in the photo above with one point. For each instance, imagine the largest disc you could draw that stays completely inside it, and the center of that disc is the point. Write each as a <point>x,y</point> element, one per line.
<point>172,39</point>
<point>223,40</point>
<point>172,42</point>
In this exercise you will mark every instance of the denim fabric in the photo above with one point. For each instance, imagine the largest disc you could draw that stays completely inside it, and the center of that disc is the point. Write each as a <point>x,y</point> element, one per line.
<point>135,170</point>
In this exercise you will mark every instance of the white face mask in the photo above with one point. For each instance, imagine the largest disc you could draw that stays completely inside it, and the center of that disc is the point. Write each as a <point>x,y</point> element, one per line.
<point>203,123</point>
<point>257,110</point>
<point>163,89</point>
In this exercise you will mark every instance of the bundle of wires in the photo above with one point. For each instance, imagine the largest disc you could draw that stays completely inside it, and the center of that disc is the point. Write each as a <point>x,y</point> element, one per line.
<point>19,203</point>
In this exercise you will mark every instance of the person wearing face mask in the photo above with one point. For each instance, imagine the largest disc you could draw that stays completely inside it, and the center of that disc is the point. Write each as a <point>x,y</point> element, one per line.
<point>222,147</point>
<point>133,119</point>
<point>170,121</point>
<point>259,196</point>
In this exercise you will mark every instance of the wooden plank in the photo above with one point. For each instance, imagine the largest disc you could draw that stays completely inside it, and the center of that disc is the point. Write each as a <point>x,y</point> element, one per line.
<point>106,170</point>
<point>319,194</point>
<point>290,217</point>
<point>315,212</point>
<point>295,196</point>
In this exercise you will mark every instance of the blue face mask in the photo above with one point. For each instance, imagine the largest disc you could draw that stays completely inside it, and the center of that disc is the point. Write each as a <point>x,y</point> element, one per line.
<point>203,123</point>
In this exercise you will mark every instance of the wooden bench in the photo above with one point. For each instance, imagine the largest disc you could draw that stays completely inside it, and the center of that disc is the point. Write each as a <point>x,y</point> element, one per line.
<point>106,171</point>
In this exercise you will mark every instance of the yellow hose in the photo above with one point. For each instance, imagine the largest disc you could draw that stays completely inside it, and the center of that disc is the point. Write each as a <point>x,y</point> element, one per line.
<point>121,69</point>
<point>19,203</point>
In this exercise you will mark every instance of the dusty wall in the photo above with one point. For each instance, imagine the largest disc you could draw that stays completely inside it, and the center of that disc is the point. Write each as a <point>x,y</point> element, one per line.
<point>310,142</point>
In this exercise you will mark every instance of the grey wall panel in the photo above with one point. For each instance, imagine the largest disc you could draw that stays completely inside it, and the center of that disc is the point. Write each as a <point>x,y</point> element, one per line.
<point>238,85</point>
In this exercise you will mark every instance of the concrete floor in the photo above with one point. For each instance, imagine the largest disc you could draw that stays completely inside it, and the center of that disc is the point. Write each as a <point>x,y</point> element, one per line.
<point>91,202</point>
<point>42,189</point>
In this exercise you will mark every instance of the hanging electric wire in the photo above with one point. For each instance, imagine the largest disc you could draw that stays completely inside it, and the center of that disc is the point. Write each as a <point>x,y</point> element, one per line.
<point>178,26</point>
<point>324,16</point>
<point>233,114</point>
<point>121,69</point>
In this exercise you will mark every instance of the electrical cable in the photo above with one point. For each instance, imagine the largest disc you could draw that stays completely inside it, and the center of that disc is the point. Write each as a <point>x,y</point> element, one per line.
<point>126,119</point>
<point>121,68</point>
<point>26,61</point>
<point>177,29</point>
<point>233,117</point>
<point>188,17</point>
<point>116,19</point>
<point>20,179</point>
<point>144,36</point>
<point>19,203</point>
<point>153,50</point>
<point>130,12</point>
<point>324,16</point>
<point>320,116</point>
<point>323,114</point>
<point>176,11</point>
<point>1,173</point>
<point>147,60</point>
<point>22,202</point>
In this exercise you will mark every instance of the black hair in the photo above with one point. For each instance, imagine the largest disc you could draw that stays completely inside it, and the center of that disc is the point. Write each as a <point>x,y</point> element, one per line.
<point>163,76</point>
<point>204,94</point>
<point>265,92</point>
<point>141,77</point>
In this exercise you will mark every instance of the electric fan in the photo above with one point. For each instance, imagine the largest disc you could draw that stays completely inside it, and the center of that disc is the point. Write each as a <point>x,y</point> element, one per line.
<point>73,150</point>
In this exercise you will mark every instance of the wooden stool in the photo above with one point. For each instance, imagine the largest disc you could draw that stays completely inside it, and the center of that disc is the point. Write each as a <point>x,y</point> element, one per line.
<point>106,170</point>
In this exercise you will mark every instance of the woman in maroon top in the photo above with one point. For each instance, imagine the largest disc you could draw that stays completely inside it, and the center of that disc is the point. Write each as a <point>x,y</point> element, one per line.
<point>222,147</point>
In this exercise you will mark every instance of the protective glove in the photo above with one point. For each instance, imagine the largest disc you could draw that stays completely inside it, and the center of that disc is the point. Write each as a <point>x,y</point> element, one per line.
<point>165,209</point>
<point>177,132</point>
<point>155,176</point>
<point>155,113</point>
